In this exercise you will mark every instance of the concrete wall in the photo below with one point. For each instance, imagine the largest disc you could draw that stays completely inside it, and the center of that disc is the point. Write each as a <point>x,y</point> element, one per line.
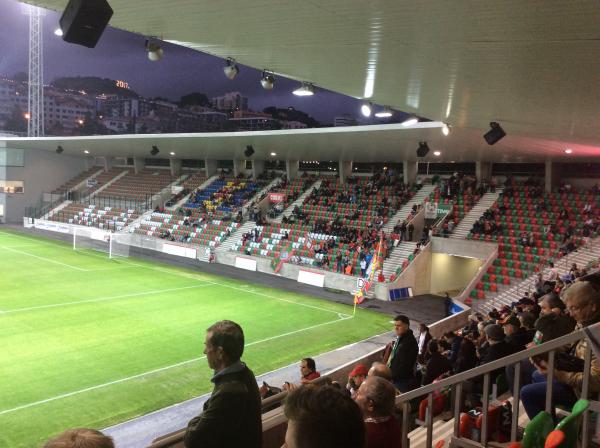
<point>417,275</point>
<point>463,248</point>
<point>42,171</point>
<point>450,273</point>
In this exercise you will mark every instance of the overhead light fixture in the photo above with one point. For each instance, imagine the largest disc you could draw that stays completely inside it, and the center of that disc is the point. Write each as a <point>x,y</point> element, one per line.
<point>231,68</point>
<point>410,121</point>
<point>267,80</point>
<point>58,32</point>
<point>154,150</point>
<point>445,129</point>
<point>172,153</point>
<point>385,113</point>
<point>59,149</point>
<point>273,154</point>
<point>366,109</point>
<point>249,151</point>
<point>568,151</point>
<point>155,51</point>
<point>85,151</point>
<point>495,134</point>
<point>423,149</point>
<point>306,89</point>
<point>437,153</point>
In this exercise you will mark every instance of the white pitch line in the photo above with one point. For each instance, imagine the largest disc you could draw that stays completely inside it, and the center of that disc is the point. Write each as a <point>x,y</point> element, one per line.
<point>160,369</point>
<point>191,276</point>
<point>49,260</point>
<point>101,299</point>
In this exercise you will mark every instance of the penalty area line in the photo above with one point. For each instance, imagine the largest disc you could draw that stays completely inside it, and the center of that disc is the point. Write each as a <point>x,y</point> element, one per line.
<point>48,260</point>
<point>160,369</point>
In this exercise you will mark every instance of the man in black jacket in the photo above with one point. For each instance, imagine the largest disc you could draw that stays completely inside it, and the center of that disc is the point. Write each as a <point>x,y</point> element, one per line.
<point>232,415</point>
<point>403,356</point>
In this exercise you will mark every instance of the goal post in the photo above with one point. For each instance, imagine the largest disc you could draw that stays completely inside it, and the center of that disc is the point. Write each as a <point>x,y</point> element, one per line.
<point>113,244</point>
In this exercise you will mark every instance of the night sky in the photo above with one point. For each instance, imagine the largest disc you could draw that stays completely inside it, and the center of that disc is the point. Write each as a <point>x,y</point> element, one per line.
<point>121,55</point>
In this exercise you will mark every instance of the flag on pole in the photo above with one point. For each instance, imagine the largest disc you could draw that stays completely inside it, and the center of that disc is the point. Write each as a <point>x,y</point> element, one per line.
<point>359,297</point>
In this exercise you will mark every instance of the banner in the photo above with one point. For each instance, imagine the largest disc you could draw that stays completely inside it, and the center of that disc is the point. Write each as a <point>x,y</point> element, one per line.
<point>276,197</point>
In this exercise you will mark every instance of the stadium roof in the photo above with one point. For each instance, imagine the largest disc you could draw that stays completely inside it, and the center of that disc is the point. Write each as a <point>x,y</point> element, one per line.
<point>532,66</point>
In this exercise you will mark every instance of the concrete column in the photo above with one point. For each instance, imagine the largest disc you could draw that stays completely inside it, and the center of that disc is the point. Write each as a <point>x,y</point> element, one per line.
<point>291,169</point>
<point>345,170</point>
<point>109,162</point>
<point>239,166</point>
<point>258,167</point>
<point>210,166</point>
<point>548,177</point>
<point>138,164</point>
<point>175,167</point>
<point>409,170</point>
<point>483,170</point>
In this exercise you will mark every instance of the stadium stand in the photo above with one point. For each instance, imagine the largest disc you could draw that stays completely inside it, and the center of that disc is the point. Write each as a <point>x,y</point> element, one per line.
<point>90,215</point>
<point>72,183</point>
<point>139,186</point>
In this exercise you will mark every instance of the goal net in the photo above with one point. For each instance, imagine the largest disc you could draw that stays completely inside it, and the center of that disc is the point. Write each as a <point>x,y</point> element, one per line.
<point>113,244</point>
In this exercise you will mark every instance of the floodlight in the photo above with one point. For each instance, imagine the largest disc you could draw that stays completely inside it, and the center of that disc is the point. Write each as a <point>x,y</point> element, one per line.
<point>231,69</point>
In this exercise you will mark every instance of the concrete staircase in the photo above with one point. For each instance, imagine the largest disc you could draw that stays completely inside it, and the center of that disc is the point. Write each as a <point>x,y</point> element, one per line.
<point>236,236</point>
<point>183,200</point>
<point>259,194</point>
<point>464,227</point>
<point>298,202</point>
<point>401,214</point>
<point>397,257</point>
<point>511,293</point>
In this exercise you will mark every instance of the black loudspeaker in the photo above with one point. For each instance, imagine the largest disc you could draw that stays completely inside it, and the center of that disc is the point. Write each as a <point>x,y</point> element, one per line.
<point>83,21</point>
<point>59,149</point>
<point>154,150</point>
<point>249,151</point>
<point>494,134</point>
<point>423,149</point>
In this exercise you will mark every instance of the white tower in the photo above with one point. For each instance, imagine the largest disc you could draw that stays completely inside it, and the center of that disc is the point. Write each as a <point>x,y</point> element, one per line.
<point>35,127</point>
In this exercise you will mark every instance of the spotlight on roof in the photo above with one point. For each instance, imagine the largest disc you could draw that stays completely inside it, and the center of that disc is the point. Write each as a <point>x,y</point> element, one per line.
<point>59,149</point>
<point>154,150</point>
<point>231,69</point>
<point>437,153</point>
<point>85,151</point>
<point>155,52</point>
<point>568,151</point>
<point>249,151</point>
<point>306,89</point>
<point>267,80</point>
<point>410,121</point>
<point>423,149</point>
<point>495,134</point>
<point>445,129</point>
<point>58,32</point>
<point>172,153</point>
<point>385,113</point>
<point>366,109</point>
<point>273,154</point>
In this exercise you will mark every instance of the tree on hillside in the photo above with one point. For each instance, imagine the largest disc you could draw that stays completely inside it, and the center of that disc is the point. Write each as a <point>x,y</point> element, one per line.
<point>291,114</point>
<point>20,77</point>
<point>194,99</point>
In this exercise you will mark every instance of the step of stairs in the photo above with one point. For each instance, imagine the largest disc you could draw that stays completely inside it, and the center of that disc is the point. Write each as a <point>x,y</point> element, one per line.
<point>235,237</point>
<point>298,202</point>
<point>397,257</point>
<point>404,211</point>
<point>464,227</point>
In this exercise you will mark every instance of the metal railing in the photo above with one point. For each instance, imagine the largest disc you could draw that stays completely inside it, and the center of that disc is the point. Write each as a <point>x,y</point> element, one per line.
<point>456,383</point>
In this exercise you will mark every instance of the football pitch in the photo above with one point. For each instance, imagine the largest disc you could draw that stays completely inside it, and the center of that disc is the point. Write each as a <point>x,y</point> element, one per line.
<point>88,341</point>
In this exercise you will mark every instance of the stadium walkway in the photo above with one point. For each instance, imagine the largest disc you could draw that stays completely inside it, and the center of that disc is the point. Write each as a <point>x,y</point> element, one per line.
<point>140,431</point>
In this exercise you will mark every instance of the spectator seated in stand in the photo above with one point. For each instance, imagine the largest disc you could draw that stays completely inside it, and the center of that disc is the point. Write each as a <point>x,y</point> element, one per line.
<point>356,378</point>
<point>80,438</point>
<point>322,417</point>
<point>583,303</point>
<point>376,398</point>
<point>308,372</point>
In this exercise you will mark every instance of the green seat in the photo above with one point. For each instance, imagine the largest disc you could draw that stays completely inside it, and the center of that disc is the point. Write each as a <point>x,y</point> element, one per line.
<point>570,424</point>
<point>537,430</point>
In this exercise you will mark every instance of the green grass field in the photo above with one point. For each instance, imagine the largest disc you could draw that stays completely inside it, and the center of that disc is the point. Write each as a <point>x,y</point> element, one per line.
<point>91,341</point>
